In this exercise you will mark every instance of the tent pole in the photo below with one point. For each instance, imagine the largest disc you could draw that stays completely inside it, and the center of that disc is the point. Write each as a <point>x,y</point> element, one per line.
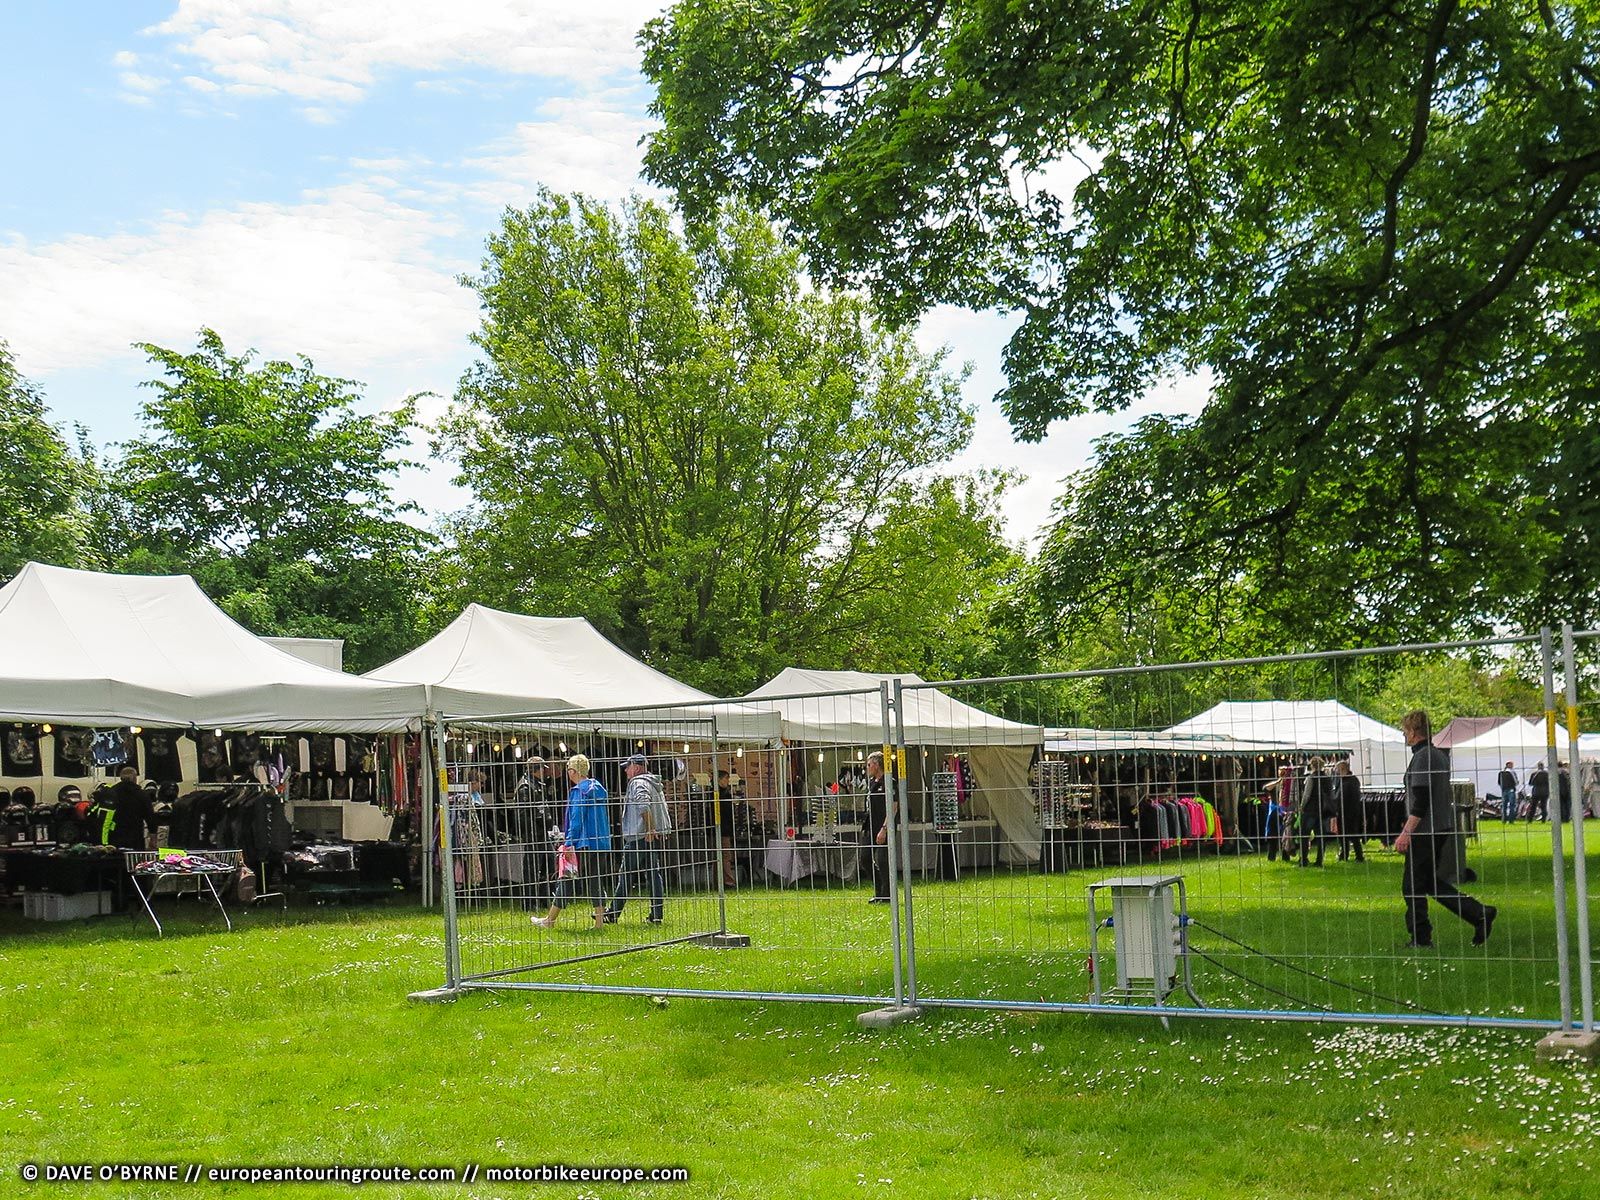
<point>428,782</point>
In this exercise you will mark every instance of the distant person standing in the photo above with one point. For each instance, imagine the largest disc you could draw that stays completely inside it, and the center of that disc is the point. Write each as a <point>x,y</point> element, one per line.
<point>1352,815</point>
<point>1508,794</point>
<point>1429,835</point>
<point>131,814</point>
<point>1539,794</point>
<point>1564,791</point>
<point>1279,795</point>
<point>878,825</point>
<point>1318,806</point>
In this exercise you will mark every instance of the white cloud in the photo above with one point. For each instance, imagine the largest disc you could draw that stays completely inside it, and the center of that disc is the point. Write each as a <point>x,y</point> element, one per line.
<point>332,51</point>
<point>349,276</point>
<point>134,81</point>
<point>584,144</point>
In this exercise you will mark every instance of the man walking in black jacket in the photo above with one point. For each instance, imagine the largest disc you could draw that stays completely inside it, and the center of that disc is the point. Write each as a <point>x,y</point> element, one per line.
<point>1428,835</point>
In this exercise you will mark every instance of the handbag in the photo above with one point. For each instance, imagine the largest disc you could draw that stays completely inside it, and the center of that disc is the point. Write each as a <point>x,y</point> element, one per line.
<point>566,863</point>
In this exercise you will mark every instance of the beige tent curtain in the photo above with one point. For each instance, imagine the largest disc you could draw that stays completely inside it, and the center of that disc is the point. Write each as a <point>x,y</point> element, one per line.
<point>1001,776</point>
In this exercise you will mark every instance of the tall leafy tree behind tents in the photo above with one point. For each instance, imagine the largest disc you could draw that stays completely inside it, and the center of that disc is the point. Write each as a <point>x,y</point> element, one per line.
<point>725,469</point>
<point>45,487</point>
<point>268,483</point>
<point>1376,224</point>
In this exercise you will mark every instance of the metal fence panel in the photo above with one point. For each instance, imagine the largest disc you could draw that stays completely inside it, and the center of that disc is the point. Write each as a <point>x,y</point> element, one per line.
<point>1292,909</point>
<point>766,877</point>
<point>1034,821</point>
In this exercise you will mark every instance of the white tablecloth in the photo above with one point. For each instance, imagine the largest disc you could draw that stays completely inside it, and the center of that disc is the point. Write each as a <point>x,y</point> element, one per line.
<point>794,859</point>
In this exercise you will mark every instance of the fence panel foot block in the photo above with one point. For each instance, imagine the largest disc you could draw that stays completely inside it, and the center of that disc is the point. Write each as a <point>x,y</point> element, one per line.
<point>886,1018</point>
<point>435,995</point>
<point>1569,1045</point>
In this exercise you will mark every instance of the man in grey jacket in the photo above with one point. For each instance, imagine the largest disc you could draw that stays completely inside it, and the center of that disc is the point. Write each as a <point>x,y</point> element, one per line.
<point>644,822</point>
<point>1427,836</point>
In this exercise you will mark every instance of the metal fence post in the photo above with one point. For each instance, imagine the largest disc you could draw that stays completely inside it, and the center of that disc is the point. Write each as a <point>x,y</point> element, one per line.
<point>903,790</point>
<point>447,871</point>
<point>892,846</point>
<point>1580,873</point>
<point>718,816</point>
<point>1558,864</point>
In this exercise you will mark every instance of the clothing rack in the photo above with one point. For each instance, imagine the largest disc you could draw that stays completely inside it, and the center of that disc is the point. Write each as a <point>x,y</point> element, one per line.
<point>261,865</point>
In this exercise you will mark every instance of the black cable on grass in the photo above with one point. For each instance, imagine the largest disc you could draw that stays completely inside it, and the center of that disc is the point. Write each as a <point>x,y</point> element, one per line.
<point>1310,973</point>
<point>1265,987</point>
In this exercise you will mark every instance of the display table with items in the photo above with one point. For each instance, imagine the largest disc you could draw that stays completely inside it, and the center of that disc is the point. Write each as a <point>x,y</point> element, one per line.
<point>794,859</point>
<point>64,882</point>
<point>344,872</point>
<point>974,844</point>
<point>205,869</point>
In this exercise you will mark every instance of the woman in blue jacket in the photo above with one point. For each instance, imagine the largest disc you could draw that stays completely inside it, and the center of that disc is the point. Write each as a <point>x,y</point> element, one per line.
<point>587,833</point>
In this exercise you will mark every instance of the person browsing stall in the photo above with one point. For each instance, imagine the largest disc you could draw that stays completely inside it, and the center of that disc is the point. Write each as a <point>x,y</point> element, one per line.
<point>131,814</point>
<point>645,821</point>
<point>587,833</point>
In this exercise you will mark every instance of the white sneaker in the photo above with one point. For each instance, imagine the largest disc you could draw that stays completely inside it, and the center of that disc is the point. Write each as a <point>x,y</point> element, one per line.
<point>543,922</point>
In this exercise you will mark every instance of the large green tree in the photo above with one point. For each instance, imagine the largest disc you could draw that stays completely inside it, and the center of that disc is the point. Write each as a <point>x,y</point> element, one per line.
<point>726,469</point>
<point>44,485</point>
<point>269,483</point>
<point>1377,225</point>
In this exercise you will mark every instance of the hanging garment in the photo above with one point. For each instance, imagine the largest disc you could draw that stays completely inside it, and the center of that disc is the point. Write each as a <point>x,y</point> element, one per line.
<point>244,750</point>
<point>111,747</point>
<point>211,754</point>
<point>74,751</point>
<point>19,751</point>
<point>161,755</point>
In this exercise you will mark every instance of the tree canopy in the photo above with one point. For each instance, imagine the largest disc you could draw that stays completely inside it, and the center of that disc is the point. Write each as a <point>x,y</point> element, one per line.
<point>44,485</point>
<point>274,489</point>
<point>726,469</point>
<point>1374,225</point>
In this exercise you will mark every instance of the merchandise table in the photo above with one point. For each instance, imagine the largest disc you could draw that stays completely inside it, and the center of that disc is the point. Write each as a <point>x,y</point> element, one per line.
<point>51,869</point>
<point>794,859</point>
<point>145,882</point>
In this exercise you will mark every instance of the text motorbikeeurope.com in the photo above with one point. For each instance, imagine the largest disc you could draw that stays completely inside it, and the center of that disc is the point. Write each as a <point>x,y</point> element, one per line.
<point>145,1172</point>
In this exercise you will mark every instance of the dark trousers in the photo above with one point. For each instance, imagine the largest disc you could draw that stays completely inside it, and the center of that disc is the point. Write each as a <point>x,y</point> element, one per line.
<point>639,858</point>
<point>1272,832</point>
<point>1312,827</point>
<point>1539,804</point>
<point>1421,879</point>
<point>1349,845</point>
<point>880,870</point>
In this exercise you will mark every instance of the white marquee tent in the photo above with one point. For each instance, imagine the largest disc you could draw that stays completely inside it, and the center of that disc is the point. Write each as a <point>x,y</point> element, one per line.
<point>1520,742</point>
<point>932,718</point>
<point>488,663</point>
<point>1378,752</point>
<point>93,649</point>
<point>999,751</point>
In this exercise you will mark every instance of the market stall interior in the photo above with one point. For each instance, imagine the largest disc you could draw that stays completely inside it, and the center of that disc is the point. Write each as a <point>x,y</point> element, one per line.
<point>240,746</point>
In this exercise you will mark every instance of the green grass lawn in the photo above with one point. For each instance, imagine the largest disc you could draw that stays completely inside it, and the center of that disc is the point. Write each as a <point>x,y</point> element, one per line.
<point>1326,939</point>
<point>291,1040</point>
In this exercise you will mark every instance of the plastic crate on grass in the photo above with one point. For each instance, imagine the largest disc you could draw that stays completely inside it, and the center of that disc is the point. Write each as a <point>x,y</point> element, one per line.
<point>53,906</point>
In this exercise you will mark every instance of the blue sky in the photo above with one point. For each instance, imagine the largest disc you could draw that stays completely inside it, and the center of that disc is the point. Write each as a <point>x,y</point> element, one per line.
<point>311,176</point>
